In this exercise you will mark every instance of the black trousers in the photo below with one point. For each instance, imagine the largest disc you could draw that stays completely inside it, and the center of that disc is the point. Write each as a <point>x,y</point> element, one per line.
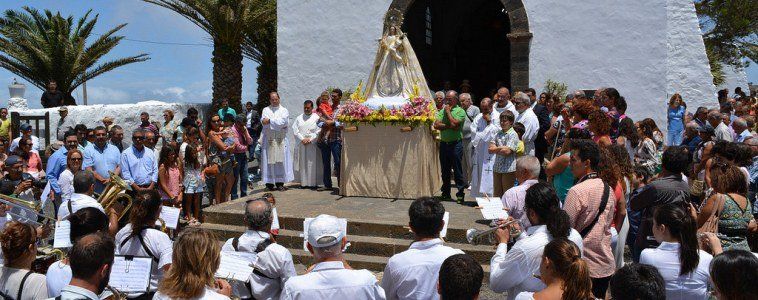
<point>451,154</point>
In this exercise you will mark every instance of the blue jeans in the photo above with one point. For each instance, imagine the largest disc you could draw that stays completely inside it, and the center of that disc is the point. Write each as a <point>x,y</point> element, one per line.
<point>251,147</point>
<point>329,150</point>
<point>240,176</point>
<point>675,135</point>
<point>450,158</point>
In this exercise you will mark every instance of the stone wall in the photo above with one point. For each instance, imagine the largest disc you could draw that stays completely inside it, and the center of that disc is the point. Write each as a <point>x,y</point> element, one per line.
<point>125,115</point>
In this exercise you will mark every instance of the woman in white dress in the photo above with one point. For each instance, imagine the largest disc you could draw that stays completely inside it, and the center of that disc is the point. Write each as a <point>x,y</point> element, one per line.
<point>195,262</point>
<point>564,272</point>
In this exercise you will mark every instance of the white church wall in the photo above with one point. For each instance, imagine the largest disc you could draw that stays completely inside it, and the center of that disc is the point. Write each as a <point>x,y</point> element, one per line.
<point>124,115</point>
<point>325,44</point>
<point>602,43</point>
<point>733,78</point>
<point>689,73</point>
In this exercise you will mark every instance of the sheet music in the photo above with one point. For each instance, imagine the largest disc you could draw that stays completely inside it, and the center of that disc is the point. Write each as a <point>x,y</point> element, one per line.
<point>234,267</point>
<point>45,196</point>
<point>170,215</point>
<point>307,222</point>
<point>62,238</point>
<point>492,208</point>
<point>250,257</point>
<point>275,223</point>
<point>446,218</point>
<point>131,275</point>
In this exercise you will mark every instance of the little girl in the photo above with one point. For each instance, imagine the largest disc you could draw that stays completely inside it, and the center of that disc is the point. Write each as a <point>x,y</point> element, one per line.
<point>194,185</point>
<point>170,176</point>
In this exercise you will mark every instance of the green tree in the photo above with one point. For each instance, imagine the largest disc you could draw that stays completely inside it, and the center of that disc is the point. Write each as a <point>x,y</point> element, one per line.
<point>226,21</point>
<point>730,32</point>
<point>40,47</point>
<point>260,46</point>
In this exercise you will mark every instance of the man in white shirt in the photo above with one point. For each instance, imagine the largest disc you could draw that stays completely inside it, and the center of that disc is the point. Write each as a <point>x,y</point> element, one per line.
<point>331,278</point>
<point>273,266</point>
<point>84,187</point>
<point>91,260</point>
<point>412,274</point>
<point>721,131</point>
<point>527,172</point>
<point>743,132</point>
<point>527,117</point>
<point>512,270</point>
<point>503,103</point>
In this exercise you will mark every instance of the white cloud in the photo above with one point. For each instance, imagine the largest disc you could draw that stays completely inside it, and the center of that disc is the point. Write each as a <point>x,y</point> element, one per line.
<point>174,91</point>
<point>104,95</point>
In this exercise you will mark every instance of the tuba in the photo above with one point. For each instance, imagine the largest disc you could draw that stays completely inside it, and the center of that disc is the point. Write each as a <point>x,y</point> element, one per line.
<point>112,196</point>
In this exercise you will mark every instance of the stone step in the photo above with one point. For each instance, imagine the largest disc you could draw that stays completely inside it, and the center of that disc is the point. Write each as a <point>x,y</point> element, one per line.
<point>371,228</point>
<point>361,245</point>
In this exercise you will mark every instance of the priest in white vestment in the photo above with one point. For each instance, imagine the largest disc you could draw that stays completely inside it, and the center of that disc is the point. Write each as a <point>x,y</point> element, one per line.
<point>276,162</point>
<point>484,127</point>
<point>308,166</point>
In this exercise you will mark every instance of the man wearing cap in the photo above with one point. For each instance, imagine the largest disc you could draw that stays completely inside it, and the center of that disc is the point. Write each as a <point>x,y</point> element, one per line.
<point>331,278</point>
<point>18,184</point>
<point>26,131</point>
<point>242,140</point>
<point>64,123</point>
<point>413,273</point>
<point>273,266</point>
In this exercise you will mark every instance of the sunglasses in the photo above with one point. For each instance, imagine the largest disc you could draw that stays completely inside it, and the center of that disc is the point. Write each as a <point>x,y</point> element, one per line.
<point>76,159</point>
<point>138,137</point>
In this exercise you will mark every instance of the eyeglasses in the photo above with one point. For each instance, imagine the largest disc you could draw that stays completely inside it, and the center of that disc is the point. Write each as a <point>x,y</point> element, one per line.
<point>76,158</point>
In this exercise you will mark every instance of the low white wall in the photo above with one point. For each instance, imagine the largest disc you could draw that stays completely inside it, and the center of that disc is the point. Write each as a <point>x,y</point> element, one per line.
<point>124,115</point>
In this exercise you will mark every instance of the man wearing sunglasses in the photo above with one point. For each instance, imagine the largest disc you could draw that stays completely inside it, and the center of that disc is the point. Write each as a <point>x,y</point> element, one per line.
<point>56,164</point>
<point>139,167</point>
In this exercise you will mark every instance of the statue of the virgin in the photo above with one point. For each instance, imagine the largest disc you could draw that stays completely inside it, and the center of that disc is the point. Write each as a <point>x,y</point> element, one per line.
<point>396,69</point>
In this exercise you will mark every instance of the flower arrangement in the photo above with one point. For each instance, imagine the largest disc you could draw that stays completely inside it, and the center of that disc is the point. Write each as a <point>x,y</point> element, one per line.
<point>417,111</point>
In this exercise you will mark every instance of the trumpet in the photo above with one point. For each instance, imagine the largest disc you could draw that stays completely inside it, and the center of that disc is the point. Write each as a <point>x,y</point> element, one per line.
<point>485,237</point>
<point>115,294</point>
<point>27,205</point>
<point>112,196</point>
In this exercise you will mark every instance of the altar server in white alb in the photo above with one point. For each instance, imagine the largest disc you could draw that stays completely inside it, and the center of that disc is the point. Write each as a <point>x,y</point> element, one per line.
<point>330,278</point>
<point>276,163</point>
<point>483,129</point>
<point>413,273</point>
<point>308,166</point>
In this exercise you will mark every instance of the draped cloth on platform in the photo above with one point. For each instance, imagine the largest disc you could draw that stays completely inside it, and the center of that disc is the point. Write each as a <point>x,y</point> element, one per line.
<point>384,162</point>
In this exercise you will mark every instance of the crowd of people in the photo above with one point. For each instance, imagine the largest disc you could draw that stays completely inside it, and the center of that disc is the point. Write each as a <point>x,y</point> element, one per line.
<point>581,182</point>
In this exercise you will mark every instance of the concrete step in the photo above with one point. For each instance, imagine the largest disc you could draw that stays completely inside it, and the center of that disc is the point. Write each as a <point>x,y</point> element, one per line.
<point>361,245</point>
<point>371,228</point>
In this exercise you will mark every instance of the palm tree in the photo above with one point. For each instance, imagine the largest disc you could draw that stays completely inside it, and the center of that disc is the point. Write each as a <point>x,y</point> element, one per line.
<point>226,22</point>
<point>42,47</point>
<point>260,46</point>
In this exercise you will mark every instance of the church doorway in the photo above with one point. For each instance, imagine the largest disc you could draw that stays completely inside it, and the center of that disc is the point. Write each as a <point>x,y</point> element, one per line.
<point>482,43</point>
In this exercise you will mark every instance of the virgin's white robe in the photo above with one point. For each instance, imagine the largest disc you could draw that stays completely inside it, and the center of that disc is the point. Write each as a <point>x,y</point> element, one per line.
<point>309,169</point>
<point>482,162</point>
<point>275,167</point>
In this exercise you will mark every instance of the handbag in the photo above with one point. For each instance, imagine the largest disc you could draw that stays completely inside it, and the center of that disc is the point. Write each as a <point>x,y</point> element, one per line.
<point>712,224</point>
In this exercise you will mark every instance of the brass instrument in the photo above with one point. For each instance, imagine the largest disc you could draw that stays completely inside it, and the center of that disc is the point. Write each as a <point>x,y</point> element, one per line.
<point>163,225</point>
<point>485,237</point>
<point>115,294</point>
<point>32,206</point>
<point>112,196</point>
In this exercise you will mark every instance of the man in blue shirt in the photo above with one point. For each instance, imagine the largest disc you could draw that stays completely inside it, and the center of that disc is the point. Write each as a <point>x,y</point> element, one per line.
<point>225,109</point>
<point>56,164</point>
<point>139,167</point>
<point>101,158</point>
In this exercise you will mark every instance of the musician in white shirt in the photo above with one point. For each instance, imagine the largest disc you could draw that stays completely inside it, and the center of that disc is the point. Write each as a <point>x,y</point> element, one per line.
<point>140,238</point>
<point>412,274</point>
<point>84,187</point>
<point>331,278</point>
<point>91,261</point>
<point>513,270</point>
<point>273,266</point>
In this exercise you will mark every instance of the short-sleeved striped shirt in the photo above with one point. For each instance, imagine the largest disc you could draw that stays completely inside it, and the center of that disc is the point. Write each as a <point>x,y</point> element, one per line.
<point>506,163</point>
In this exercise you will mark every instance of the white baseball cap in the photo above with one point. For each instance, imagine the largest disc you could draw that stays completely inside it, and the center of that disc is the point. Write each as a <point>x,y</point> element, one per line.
<point>323,227</point>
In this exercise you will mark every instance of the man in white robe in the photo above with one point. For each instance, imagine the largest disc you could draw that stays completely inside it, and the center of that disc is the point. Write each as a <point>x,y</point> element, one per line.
<point>484,127</point>
<point>527,117</point>
<point>308,166</point>
<point>276,162</point>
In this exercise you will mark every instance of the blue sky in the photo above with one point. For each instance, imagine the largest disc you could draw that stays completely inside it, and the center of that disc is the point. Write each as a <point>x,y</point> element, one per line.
<point>174,73</point>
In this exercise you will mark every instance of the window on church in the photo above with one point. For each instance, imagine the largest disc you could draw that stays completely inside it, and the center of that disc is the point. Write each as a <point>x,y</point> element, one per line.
<point>428,26</point>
